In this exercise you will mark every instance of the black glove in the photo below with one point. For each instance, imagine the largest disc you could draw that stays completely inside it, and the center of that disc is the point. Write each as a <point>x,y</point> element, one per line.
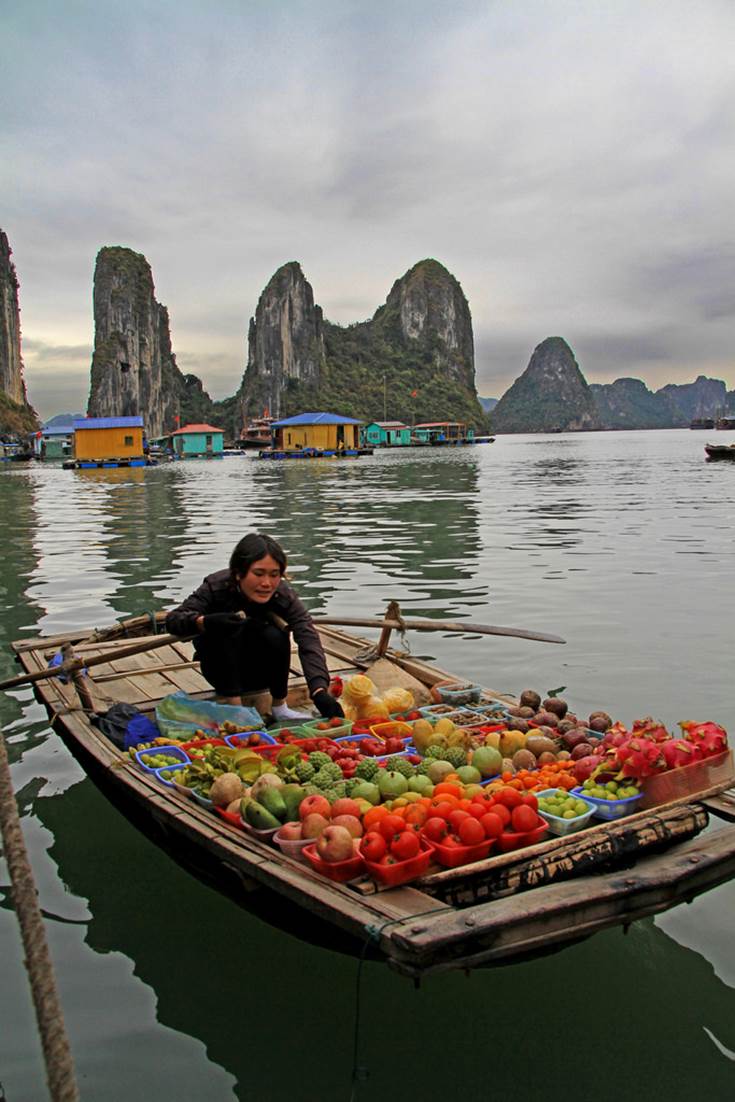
<point>222,623</point>
<point>328,706</point>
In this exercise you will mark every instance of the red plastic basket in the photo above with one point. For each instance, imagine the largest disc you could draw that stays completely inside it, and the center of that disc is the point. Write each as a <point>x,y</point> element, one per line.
<point>334,870</point>
<point>452,856</point>
<point>402,871</point>
<point>512,839</point>
<point>231,817</point>
<point>199,743</point>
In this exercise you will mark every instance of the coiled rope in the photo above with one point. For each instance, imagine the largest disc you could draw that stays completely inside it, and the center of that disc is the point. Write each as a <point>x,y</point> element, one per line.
<point>56,1052</point>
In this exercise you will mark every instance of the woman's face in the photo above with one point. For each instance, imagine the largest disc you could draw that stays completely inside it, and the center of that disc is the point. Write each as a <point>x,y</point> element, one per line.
<point>261,580</point>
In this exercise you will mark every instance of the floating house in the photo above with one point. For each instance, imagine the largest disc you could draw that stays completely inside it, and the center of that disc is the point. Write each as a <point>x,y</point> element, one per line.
<point>108,441</point>
<point>197,442</point>
<point>386,434</point>
<point>442,432</point>
<point>313,435</point>
<point>55,439</point>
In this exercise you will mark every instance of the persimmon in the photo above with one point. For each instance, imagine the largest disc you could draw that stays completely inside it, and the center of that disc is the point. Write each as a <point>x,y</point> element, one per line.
<point>446,788</point>
<point>372,817</point>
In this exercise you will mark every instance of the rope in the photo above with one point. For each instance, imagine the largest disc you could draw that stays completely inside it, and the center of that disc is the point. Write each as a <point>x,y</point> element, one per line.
<point>360,1073</point>
<point>56,1051</point>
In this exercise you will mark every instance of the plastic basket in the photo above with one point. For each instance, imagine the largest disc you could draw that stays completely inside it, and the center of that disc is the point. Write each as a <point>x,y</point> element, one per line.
<point>292,847</point>
<point>557,825</point>
<point>168,769</point>
<point>339,871</point>
<point>434,711</point>
<point>311,728</point>
<point>231,817</point>
<point>392,728</point>
<point>610,809</point>
<point>203,801</point>
<point>402,871</point>
<point>452,856</point>
<point>238,741</point>
<point>263,835</point>
<point>491,708</point>
<point>456,693</point>
<point>512,839</point>
<point>200,743</point>
<point>177,752</point>
<point>377,757</point>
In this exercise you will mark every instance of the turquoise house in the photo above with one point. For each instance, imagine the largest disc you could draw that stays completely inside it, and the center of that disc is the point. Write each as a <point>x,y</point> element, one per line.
<point>387,434</point>
<point>197,442</point>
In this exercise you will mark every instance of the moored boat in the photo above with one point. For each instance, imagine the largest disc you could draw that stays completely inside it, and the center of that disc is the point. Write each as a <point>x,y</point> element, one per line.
<point>518,903</point>
<point>720,451</point>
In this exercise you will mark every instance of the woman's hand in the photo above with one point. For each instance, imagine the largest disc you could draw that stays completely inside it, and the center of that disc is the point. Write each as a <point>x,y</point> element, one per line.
<point>222,623</point>
<point>327,705</point>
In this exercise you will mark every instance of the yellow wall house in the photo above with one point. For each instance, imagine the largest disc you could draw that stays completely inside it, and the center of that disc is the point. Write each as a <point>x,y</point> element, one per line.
<point>325,432</point>
<point>98,438</point>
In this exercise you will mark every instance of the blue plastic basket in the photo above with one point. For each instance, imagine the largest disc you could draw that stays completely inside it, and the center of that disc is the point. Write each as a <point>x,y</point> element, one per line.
<point>172,751</point>
<point>241,739</point>
<point>609,809</point>
<point>168,769</point>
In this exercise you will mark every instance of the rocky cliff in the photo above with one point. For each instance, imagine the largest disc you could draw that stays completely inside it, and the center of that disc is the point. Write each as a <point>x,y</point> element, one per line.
<point>629,404</point>
<point>413,360</point>
<point>285,345</point>
<point>16,416</point>
<point>134,370</point>
<point>551,395</point>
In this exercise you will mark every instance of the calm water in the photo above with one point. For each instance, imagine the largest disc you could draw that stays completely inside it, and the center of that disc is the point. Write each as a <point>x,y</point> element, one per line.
<point>621,542</point>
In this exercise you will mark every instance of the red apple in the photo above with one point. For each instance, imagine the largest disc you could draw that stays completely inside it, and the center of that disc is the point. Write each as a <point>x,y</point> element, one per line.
<point>313,825</point>
<point>351,822</point>
<point>335,844</point>
<point>291,832</point>
<point>345,806</point>
<point>314,805</point>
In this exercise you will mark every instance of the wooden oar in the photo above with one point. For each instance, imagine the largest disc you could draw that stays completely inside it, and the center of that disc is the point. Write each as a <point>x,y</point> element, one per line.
<point>97,660</point>
<point>440,625</point>
<point>386,625</point>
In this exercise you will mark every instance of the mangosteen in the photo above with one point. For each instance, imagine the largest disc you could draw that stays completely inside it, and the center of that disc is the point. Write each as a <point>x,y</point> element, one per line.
<point>526,712</point>
<point>515,723</point>
<point>565,725</point>
<point>556,705</point>
<point>530,699</point>
<point>581,750</point>
<point>599,721</point>
<point>545,719</point>
<point>574,737</point>
<point>514,710</point>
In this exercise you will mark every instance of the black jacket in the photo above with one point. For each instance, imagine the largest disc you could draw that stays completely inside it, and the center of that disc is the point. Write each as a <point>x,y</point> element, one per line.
<point>217,594</point>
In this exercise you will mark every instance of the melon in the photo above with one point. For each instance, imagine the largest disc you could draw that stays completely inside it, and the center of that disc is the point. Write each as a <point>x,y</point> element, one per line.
<point>487,760</point>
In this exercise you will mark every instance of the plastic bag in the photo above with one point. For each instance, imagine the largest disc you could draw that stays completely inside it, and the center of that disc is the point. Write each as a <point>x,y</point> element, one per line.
<point>124,725</point>
<point>179,716</point>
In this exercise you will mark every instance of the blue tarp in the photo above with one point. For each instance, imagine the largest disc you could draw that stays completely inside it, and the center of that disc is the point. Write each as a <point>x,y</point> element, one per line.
<point>108,423</point>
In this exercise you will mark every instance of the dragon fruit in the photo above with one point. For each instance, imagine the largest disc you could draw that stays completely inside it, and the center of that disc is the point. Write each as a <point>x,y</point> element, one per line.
<point>709,737</point>
<point>680,752</point>
<point>651,729</point>
<point>639,758</point>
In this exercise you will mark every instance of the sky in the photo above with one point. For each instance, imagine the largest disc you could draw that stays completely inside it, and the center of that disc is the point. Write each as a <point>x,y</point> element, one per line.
<point>571,163</point>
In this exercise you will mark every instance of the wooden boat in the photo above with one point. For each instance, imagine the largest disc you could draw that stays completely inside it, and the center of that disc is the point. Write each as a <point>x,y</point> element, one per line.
<point>506,907</point>
<point>720,451</point>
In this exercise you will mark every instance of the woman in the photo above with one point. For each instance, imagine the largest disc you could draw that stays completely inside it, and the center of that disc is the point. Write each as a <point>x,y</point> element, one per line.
<point>243,617</point>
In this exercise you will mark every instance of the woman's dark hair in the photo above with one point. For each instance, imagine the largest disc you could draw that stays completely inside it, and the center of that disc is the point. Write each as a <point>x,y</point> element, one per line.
<point>251,548</point>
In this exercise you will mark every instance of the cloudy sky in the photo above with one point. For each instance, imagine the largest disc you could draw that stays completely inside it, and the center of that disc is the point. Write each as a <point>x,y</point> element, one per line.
<point>571,163</point>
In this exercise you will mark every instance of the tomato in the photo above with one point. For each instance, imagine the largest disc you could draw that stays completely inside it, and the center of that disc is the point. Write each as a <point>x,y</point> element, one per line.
<point>477,809</point>
<point>391,824</point>
<point>416,813</point>
<point>502,812</point>
<point>442,808</point>
<point>492,824</point>
<point>373,846</point>
<point>335,721</point>
<point>510,797</point>
<point>435,829</point>
<point>523,818</point>
<point>405,846</point>
<point>456,818</point>
<point>372,817</point>
<point>471,831</point>
<point>530,800</point>
<point>414,715</point>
